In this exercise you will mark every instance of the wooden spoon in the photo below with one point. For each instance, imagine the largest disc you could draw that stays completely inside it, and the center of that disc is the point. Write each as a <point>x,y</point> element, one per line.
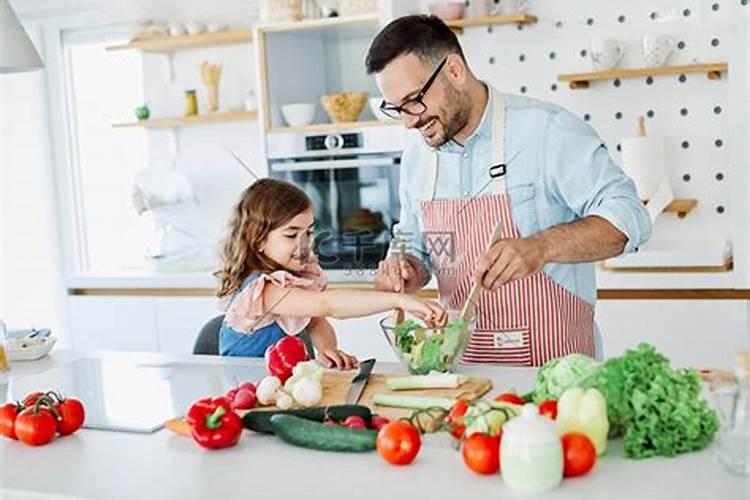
<point>469,310</point>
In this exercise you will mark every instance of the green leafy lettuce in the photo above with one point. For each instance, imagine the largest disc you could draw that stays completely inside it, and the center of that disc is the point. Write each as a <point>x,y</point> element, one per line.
<point>427,353</point>
<point>658,410</point>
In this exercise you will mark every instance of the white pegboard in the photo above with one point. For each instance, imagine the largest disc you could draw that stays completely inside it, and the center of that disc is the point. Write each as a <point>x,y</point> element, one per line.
<point>692,110</point>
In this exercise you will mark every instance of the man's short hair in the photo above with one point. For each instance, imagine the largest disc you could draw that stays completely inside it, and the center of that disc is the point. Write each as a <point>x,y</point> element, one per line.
<point>428,37</point>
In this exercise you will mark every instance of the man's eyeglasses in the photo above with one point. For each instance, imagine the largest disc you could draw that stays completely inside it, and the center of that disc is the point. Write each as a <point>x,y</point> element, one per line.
<point>414,106</point>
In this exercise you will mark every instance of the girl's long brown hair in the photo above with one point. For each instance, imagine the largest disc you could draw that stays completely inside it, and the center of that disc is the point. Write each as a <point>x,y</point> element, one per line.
<point>264,206</point>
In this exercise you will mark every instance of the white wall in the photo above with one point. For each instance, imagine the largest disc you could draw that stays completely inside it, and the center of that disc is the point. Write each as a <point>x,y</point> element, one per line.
<point>31,280</point>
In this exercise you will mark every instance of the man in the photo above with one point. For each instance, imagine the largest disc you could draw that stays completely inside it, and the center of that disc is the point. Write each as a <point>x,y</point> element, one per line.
<point>487,161</point>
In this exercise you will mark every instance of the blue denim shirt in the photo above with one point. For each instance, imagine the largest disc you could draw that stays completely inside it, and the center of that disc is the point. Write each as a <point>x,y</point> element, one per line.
<point>559,171</point>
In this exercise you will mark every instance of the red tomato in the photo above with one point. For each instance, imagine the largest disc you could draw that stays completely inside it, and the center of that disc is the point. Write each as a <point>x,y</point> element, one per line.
<point>31,399</point>
<point>482,453</point>
<point>455,419</point>
<point>579,454</point>
<point>36,426</point>
<point>8,415</point>
<point>72,415</point>
<point>509,397</point>
<point>548,408</point>
<point>398,443</point>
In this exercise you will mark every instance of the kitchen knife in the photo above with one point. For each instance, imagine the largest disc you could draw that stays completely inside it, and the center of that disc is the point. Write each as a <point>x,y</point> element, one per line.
<point>360,381</point>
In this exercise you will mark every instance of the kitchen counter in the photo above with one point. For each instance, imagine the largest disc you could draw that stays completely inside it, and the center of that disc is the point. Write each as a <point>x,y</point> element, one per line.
<point>611,284</point>
<point>108,465</point>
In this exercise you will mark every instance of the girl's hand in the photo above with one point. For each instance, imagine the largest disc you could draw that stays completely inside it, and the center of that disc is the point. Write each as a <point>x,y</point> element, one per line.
<point>428,311</point>
<point>334,358</point>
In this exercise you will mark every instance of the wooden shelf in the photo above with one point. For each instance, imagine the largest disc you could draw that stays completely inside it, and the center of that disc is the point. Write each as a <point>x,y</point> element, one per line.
<point>316,24</point>
<point>332,127</point>
<point>583,80</point>
<point>728,266</point>
<point>175,122</point>
<point>175,43</point>
<point>469,22</point>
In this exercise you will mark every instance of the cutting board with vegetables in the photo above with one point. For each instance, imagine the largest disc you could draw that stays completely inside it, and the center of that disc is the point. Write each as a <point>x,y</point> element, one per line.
<point>336,387</point>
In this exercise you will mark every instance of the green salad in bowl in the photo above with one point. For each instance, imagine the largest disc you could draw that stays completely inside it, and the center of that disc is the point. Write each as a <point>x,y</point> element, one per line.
<point>426,349</point>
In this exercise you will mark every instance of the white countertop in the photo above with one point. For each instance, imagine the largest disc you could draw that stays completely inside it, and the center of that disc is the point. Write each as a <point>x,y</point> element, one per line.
<point>108,465</point>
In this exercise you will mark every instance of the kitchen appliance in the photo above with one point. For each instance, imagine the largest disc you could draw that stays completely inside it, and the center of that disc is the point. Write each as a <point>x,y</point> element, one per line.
<point>352,178</point>
<point>360,381</point>
<point>165,198</point>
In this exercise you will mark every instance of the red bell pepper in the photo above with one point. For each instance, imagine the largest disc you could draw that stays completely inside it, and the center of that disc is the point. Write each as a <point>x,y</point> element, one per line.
<point>284,355</point>
<point>214,424</point>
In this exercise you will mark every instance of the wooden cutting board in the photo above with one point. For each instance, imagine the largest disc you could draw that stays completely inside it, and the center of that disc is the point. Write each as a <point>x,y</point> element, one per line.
<point>336,388</point>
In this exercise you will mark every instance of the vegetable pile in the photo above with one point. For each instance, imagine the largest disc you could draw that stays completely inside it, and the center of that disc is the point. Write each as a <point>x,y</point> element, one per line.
<point>657,409</point>
<point>426,350</point>
<point>40,416</point>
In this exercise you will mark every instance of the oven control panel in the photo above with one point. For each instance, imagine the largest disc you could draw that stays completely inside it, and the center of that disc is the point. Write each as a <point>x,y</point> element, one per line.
<point>333,142</point>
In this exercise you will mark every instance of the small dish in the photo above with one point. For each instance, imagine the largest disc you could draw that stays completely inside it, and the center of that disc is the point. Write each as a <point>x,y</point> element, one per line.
<point>25,349</point>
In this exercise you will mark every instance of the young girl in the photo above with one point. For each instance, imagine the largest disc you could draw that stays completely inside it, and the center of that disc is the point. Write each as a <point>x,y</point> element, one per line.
<point>271,284</point>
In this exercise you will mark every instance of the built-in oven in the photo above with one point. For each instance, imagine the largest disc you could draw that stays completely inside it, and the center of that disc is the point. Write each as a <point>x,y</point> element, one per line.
<point>352,178</point>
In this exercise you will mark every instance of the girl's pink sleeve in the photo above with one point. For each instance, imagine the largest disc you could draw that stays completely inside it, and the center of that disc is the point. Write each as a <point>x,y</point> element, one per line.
<point>247,312</point>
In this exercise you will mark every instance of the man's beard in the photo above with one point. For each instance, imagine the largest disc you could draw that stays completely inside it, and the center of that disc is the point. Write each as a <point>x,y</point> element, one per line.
<point>457,116</point>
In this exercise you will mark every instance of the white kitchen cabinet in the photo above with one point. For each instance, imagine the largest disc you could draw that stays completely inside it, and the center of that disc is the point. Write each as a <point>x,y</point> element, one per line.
<point>113,323</point>
<point>180,319</point>
<point>698,333</point>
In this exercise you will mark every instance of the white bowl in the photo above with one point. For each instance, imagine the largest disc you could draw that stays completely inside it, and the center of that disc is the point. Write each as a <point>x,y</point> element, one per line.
<point>30,349</point>
<point>298,114</point>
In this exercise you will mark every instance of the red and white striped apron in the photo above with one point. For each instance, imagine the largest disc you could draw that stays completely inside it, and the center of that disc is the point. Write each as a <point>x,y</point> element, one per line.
<point>525,322</point>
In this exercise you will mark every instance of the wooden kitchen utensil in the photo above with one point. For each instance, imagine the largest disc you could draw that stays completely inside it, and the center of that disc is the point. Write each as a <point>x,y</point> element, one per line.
<point>211,75</point>
<point>400,315</point>
<point>469,310</point>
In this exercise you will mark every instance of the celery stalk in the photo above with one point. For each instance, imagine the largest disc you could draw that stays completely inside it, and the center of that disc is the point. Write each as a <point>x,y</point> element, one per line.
<point>431,381</point>
<point>413,402</point>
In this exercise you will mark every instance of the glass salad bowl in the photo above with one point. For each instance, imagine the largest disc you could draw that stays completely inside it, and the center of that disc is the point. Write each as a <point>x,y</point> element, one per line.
<point>425,349</point>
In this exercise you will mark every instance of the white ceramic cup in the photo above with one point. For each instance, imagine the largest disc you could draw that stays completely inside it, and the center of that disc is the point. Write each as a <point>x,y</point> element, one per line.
<point>656,49</point>
<point>606,53</point>
<point>512,6</point>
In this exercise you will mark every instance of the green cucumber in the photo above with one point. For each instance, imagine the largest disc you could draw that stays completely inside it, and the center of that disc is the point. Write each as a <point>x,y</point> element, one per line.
<point>260,420</point>
<point>318,436</point>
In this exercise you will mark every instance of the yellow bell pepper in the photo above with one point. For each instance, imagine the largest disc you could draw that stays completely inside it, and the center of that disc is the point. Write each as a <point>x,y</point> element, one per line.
<point>584,411</point>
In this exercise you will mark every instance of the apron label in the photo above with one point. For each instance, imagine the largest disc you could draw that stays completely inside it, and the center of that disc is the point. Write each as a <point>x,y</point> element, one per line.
<point>509,339</point>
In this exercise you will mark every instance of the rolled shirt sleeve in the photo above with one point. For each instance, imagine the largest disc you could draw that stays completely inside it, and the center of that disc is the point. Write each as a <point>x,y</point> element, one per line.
<point>582,176</point>
<point>410,188</point>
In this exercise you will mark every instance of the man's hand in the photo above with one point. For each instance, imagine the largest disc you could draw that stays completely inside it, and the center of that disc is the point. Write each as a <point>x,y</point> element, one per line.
<point>399,275</point>
<point>510,260</point>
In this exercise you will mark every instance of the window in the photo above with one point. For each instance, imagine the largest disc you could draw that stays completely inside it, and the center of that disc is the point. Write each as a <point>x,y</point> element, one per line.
<point>102,88</point>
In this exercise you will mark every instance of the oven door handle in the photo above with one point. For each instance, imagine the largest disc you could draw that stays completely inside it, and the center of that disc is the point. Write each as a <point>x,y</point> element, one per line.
<point>288,166</point>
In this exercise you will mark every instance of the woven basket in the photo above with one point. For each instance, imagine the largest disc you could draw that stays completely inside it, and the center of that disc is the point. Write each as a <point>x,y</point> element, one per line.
<point>281,10</point>
<point>344,106</point>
